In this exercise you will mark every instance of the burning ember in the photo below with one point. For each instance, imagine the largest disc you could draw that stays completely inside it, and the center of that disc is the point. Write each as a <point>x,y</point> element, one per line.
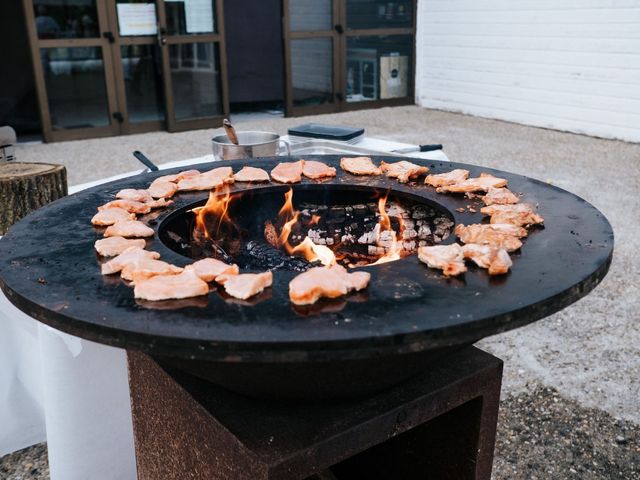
<point>357,234</point>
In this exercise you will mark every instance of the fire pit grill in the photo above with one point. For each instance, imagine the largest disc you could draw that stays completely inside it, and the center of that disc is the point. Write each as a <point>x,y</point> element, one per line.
<point>409,315</point>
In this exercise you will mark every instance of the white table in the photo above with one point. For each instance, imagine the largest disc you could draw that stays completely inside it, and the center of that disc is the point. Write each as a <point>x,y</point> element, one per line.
<point>74,393</point>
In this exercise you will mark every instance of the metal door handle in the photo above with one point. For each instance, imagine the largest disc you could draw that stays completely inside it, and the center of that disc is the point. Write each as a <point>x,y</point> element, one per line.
<point>162,40</point>
<point>109,36</point>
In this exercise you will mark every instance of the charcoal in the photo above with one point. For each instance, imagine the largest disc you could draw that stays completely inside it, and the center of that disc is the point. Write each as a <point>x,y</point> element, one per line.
<point>262,256</point>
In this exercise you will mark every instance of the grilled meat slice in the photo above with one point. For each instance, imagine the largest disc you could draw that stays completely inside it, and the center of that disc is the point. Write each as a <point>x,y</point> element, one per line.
<point>495,259</point>
<point>167,287</point>
<point>477,184</point>
<point>359,166</point>
<point>447,258</point>
<point>112,246</point>
<point>128,256</point>
<point>209,269</point>
<point>486,235</point>
<point>245,285</point>
<point>317,170</point>
<point>129,228</point>
<point>453,177</point>
<point>325,282</point>
<point>251,174</point>
<point>403,170</point>
<point>499,196</point>
<point>288,172</point>
<point>109,216</point>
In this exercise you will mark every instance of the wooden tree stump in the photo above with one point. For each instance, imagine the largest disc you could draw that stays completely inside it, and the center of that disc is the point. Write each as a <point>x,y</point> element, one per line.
<point>25,187</point>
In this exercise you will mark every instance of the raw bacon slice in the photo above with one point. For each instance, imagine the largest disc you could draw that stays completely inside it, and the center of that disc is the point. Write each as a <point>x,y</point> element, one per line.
<point>485,235</point>
<point>288,172</point>
<point>478,184</point>
<point>128,228</point>
<point>207,180</point>
<point>359,166</point>
<point>499,196</point>
<point>403,170</point>
<point>209,269</point>
<point>251,174</point>
<point>458,175</point>
<point>447,258</point>
<point>246,285</point>
<point>167,287</point>
<point>130,206</point>
<point>130,255</point>
<point>109,216</point>
<point>112,246</point>
<point>325,282</point>
<point>162,189</point>
<point>316,170</point>
<point>496,260</point>
<point>142,196</point>
<point>143,268</point>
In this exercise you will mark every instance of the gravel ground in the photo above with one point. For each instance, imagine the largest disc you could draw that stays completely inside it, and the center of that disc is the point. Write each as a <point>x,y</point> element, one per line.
<point>587,356</point>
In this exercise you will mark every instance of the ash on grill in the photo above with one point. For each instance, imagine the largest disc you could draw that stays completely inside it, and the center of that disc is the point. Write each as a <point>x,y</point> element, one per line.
<point>352,230</point>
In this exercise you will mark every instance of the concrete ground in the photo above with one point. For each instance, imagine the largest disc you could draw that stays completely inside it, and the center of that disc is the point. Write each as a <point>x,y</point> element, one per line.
<point>571,393</point>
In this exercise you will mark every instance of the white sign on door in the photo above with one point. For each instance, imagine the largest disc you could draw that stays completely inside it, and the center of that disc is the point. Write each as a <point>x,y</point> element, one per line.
<point>137,19</point>
<point>199,16</point>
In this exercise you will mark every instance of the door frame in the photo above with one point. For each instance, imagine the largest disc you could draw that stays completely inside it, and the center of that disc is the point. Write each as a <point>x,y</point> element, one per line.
<point>35,44</point>
<point>340,33</point>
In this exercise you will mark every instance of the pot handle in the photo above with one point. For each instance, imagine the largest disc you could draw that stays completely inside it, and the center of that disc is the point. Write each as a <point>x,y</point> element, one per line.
<point>287,147</point>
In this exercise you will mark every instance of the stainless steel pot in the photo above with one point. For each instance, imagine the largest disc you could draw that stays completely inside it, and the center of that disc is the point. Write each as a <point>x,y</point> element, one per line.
<point>250,145</point>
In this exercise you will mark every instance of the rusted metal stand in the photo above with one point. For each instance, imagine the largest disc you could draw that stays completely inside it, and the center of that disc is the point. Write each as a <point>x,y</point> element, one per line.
<point>439,425</point>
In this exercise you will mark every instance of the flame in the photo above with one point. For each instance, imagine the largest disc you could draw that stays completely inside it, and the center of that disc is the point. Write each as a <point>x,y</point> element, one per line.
<point>384,224</point>
<point>313,252</point>
<point>217,207</point>
<point>306,248</point>
<point>314,220</point>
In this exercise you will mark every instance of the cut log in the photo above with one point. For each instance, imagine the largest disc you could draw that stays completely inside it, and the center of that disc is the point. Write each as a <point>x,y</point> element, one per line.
<point>25,187</point>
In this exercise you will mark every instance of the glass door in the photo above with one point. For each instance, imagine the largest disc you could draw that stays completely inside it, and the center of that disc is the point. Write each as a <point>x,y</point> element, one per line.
<point>191,39</point>
<point>378,52</point>
<point>312,46</point>
<point>137,65</point>
<point>73,68</point>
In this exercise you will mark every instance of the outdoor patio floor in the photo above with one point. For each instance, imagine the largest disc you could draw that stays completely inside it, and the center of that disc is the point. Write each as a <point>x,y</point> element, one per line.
<point>571,392</point>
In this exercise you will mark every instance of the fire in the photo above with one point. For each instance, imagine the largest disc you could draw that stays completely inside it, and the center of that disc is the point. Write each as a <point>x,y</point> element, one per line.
<point>384,225</point>
<point>313,252</point>
<point>216,208</point>
<point>314,220</point>
<point>306,248</point>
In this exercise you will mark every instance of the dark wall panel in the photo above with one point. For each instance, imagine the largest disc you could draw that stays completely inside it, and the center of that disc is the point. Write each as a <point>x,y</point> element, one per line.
<point>255,54</point>
<point>18,101</point>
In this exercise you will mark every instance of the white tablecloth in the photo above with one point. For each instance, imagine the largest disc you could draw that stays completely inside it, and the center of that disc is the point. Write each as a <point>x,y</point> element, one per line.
<point>74,393</point>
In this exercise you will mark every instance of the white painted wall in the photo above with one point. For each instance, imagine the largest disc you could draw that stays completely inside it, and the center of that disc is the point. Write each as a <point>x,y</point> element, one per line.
<point>565,64</point>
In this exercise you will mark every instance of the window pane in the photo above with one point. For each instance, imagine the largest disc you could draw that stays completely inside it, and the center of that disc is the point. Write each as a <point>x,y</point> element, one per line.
<point>312,71</point>
<point>190,17</point>
<point>379,67</point>
<point>379,14</point>
<point>76,87</point>
<point>66,18</point>
<point>143,82</point>
<point>310,15</point>
<point>195,74</point>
